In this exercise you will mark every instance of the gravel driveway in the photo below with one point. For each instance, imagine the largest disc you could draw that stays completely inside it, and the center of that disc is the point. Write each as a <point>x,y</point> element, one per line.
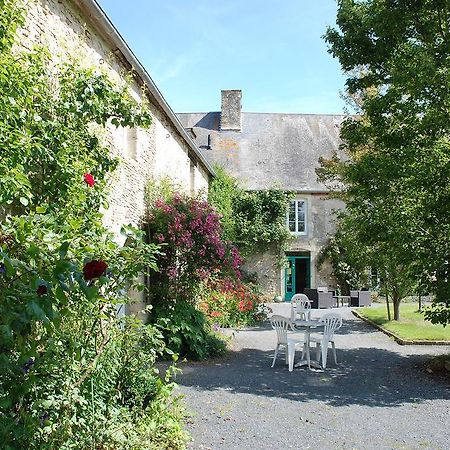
<point>378,397</point>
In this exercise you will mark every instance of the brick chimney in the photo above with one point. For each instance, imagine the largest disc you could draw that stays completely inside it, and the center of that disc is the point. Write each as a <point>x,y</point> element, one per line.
<point>230,117</point>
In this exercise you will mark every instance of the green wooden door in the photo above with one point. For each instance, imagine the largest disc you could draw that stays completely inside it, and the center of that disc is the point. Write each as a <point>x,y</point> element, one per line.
<point>297,275</point>
<point>289,279</point>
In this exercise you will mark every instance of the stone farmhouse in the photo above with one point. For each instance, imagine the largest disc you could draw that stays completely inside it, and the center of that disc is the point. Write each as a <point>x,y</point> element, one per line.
<point>267,150</point>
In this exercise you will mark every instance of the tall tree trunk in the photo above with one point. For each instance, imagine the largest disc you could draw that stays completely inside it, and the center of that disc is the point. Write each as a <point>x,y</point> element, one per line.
<point>420,303</point>
<point>388,307</point>
<point>396,301</point>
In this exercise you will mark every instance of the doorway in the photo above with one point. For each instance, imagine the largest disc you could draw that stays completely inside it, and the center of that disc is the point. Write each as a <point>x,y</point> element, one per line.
<point>297,276</point>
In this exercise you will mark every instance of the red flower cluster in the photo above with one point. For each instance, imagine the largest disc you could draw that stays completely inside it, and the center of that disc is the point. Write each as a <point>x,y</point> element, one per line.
<point>41,290</point>
<point>94,269</point>
<point>245,305</point>
<point>89,179</point>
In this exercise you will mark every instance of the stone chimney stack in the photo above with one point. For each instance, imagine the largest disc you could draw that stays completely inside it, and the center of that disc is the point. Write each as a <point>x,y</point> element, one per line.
<point>230,117</point>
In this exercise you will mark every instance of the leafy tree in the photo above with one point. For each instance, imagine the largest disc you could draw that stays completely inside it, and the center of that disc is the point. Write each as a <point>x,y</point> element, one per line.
<point>396,178</point>
<point>348,260</point>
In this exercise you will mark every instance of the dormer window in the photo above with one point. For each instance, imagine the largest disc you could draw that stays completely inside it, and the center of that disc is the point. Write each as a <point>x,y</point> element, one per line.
<point>296,217</point>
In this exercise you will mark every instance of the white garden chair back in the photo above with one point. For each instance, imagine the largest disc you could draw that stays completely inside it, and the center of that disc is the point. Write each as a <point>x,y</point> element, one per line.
<point>301,306</point>
<point>282,325</point>
<point>332,322</point>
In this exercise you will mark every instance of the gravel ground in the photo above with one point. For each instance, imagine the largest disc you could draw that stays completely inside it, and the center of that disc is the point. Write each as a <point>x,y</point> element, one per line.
<point>377,397</point>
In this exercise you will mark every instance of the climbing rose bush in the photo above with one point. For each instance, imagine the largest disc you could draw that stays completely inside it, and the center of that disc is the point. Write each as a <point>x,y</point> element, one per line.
<point>192,249</point>
<point>193,252</point>
<point>73,375</point>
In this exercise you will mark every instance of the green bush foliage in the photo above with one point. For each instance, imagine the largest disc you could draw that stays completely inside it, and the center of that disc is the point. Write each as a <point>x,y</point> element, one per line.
<point>72,374</point>
<point>187,332</point>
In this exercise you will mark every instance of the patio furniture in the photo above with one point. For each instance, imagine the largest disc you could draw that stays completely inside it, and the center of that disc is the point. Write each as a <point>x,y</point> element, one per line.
<point>342,299</point>
<point>307,326</point>
<point>319,299</point>
<point>332,322</point>
<point>282,325</point>
<point>300,307</point>
<point>360,298</point>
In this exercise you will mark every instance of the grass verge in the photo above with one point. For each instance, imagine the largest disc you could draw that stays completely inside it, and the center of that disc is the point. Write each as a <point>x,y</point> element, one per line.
<point>411,325</point>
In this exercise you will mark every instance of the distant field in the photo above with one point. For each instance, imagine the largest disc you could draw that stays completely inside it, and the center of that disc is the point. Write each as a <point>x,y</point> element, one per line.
<point>411,324</point>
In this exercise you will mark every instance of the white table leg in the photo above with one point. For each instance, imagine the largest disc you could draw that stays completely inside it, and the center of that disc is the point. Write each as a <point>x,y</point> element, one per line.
<point>308,357</point>
<point>308,361</point>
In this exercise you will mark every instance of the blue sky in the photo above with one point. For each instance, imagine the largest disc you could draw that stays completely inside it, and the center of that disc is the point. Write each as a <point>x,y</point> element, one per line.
<point>271,50</point>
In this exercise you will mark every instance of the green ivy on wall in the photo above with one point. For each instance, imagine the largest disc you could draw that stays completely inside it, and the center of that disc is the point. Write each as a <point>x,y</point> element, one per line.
<point>252,220</point>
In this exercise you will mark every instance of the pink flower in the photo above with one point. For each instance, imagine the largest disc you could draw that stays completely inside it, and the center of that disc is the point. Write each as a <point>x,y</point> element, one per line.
<point>172,272</point>
<point>203,273</point>
<point>176,198</point>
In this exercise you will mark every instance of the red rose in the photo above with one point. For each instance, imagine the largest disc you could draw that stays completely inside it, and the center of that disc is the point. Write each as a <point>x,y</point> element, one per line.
<point>41,290</point>
<point>94,269</point>
<point>89,179</point>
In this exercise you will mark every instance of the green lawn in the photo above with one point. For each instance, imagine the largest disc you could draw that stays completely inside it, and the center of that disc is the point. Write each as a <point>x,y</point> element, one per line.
<point>411,324</point>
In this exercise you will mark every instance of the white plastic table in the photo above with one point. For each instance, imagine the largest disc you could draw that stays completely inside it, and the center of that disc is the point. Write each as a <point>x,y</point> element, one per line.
<point>307,326</point>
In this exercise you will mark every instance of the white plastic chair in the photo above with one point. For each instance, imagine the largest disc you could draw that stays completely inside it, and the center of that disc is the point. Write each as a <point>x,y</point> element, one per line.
<point>301,306</point>
<point>282,325</point>
<point>332,321</point>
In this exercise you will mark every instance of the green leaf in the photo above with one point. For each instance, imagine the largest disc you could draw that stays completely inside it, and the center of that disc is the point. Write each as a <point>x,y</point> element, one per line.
<point>63,249</point>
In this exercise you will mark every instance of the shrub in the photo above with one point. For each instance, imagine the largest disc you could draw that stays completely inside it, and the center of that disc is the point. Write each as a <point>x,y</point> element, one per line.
<point>228,304</point>
<point>187,332</point>
<point>71,373</point>
<point>192,251</point>
<point>189,232</point>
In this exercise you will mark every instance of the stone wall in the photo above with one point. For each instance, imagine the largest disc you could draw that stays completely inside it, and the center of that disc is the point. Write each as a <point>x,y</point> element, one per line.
<point>159,151</point>
<point>266,267</point>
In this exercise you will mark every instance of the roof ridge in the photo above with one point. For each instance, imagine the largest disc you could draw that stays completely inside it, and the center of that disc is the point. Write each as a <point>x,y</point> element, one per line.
<point>272,113</point>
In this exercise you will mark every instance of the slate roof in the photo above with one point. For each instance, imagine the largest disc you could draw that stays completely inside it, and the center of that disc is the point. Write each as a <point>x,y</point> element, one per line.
<point>271,150</point>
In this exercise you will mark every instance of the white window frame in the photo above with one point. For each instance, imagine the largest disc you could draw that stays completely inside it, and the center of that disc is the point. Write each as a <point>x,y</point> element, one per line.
<point>296,232</point>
